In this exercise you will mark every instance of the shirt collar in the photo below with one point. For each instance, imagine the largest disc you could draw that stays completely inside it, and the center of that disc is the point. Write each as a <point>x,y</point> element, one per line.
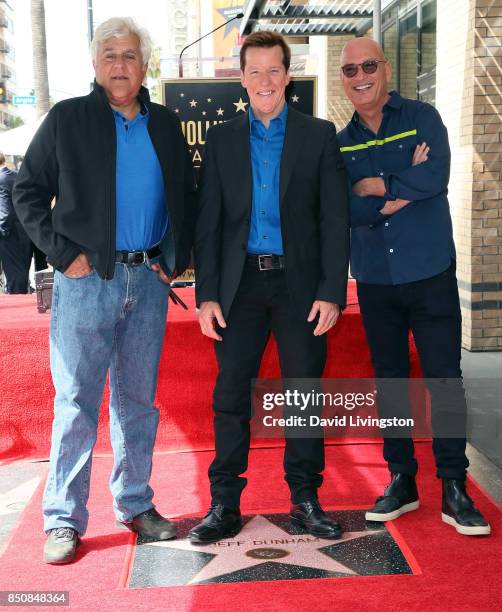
<point>282,117</point>
<point>143,114</point>
<point>395,101</point>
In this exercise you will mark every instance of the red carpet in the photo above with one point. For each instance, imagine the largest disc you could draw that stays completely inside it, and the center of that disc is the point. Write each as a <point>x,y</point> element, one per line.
<point>186,377</point>
<point>452,572</point>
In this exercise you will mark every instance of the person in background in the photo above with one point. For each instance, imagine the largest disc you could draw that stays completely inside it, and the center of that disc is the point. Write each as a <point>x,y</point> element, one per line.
<point>120,229</point>
<point>15,246</point>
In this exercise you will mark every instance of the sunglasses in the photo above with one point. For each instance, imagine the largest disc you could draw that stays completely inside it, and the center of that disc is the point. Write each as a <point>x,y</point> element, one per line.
<point>369,67</point>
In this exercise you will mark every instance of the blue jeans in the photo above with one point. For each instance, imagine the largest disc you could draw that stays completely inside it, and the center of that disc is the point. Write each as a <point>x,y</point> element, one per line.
<point>96,326</point>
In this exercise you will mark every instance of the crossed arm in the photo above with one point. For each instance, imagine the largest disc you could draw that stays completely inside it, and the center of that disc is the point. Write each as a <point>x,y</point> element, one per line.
<point>375,186</point>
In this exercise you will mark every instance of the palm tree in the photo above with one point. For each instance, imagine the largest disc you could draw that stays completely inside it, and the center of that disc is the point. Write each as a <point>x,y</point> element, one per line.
<point>40,73</point>
<point>153,75</point>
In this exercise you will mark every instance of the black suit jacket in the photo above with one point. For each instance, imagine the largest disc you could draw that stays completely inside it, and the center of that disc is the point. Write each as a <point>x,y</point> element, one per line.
<point>7,214</point>
<point>313,209</point>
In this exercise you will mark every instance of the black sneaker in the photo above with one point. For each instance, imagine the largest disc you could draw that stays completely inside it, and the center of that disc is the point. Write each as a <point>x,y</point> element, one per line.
<point>61,545</point>
<point>458,509</point>
<point>400,496</point>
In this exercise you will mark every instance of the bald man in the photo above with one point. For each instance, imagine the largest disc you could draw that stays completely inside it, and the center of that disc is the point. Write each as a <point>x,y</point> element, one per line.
<point>403,258</point>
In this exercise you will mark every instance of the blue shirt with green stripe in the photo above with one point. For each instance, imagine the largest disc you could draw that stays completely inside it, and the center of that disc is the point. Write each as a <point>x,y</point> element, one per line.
<point>417,241</point>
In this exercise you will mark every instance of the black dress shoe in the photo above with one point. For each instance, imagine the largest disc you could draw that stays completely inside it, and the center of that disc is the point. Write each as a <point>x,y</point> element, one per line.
<point>458,509</point>
<point>400,496</point>
<point>219,523</point>
<point>150,525</point>
<point>314,520</point>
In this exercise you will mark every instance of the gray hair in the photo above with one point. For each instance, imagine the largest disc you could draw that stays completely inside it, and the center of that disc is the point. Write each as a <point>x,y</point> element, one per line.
<point>118,27</point>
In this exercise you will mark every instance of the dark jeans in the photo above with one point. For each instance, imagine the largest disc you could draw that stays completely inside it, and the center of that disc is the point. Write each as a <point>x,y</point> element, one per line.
<point>430,308</point>
<point>262,305</point>
<point>15,254</point>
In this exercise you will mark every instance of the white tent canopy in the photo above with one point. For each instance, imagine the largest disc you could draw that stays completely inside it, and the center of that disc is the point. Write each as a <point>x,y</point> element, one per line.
<point>17,140</point>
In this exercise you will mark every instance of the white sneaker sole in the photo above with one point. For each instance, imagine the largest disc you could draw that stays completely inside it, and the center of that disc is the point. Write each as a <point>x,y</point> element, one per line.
<point>390,516</point>
<point>473,531</point>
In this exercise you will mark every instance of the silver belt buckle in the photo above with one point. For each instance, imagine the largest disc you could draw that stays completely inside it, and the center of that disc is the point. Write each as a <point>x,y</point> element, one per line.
<point>261,262</point>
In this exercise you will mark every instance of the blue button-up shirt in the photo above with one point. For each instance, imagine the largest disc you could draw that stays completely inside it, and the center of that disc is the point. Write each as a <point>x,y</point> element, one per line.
<point>140,196</point>
<point>266,149</point>
<point>417,241</point>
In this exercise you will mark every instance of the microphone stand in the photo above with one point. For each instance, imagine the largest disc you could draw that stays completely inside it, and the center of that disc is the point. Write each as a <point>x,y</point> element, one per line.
<point>180,61</point>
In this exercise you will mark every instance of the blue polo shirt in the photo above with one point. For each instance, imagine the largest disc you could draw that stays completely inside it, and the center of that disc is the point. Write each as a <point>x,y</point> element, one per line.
<point>416,242</point>
<point>266,150</point>
<point>141,220</point>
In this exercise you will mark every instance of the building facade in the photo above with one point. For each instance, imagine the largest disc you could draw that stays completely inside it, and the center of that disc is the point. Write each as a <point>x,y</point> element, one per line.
<point>7,62</point>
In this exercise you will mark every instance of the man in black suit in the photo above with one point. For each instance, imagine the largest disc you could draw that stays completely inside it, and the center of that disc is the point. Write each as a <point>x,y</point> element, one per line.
<point>271,255</point>
<point>15,246</point>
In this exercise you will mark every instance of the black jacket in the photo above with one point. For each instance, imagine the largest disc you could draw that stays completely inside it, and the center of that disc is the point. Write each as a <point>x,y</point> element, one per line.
<point>7,214</point>
<point>72,157</point>
<point>313,208</point>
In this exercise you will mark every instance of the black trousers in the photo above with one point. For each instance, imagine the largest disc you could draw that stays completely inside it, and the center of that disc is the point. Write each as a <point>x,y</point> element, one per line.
<point>261,306</point>
<point>431,309</point>
<point>15,254</point>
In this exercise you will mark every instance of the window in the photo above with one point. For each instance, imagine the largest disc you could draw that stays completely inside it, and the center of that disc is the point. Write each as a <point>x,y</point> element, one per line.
<point>389,38</point>
<point>408,55</point>
<point>411,50</point>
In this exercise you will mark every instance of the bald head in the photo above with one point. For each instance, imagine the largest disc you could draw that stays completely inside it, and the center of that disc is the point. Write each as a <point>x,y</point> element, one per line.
<point>366,85</point>
<point>363,45</point>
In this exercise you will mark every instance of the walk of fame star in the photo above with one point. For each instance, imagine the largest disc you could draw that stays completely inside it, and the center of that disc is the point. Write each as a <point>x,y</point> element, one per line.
<point>257,543</point>
<point>269,548</point>
<point>240,105</point>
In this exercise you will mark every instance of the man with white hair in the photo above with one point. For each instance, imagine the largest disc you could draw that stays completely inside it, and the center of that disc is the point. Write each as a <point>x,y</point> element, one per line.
<point>120,230</point>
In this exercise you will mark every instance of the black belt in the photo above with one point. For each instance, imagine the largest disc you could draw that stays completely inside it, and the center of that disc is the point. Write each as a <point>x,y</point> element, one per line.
<point>137,257</point>
<point>267,262</point>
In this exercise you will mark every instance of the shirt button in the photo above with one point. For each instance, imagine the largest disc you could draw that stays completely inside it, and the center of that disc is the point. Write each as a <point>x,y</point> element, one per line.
<point>386,225</point>
<point>391,250</point>
<point>264,186</point>
<point>262,212</point>
<point>265,161</point>
<point>353,159</point>
<point>381,173</point>
<point>400,146</point>
<point>265,237</point>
